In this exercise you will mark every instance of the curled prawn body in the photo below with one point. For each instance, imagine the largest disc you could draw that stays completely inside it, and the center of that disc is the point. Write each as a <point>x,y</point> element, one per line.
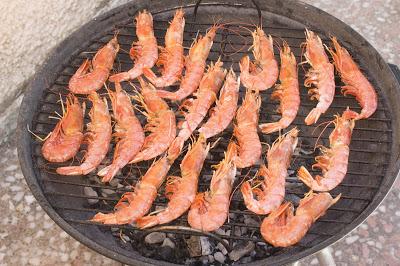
<point>180,191</point>
<point>194,67</point>
<point>128,131</point>
<point>161,124</point>
<point>356,83</point>
<point>224,111</point>
<point>66,138</point>
<point>245,130</point>
<point>98,138</point>
<point>144,52</point>
<point>171,56</point>
<point>210,209</point>
<point>282,228</point>
<point>263,73</point>
<point>334,160</point>
<point>137,203</point>
<point>320,76</point>
<point>287,92</point>
<point>197,108</point>
<point>272,191</point>
<point>91,76</point>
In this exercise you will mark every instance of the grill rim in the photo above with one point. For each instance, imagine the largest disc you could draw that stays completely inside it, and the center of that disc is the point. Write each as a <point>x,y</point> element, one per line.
<point>295,10</point>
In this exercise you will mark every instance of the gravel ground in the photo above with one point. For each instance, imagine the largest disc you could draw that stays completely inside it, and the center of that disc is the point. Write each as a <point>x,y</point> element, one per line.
<point>29,237</point>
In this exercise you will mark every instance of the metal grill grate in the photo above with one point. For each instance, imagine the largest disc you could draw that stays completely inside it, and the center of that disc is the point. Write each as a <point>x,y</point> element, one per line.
<point>369,156</point>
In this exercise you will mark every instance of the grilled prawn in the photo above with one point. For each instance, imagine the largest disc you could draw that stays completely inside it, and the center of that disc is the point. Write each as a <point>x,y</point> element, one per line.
<point>137,203</point>
<point>66,138</point>
<point>287,92</point>
<point>272,192</point>
<point>91,76</point>
<point>282,228</point>
<point>224,111</point>
<point>335,159</point>
<point>128,131</point>
<point>210,209</point>
<point>263,73</point>
<point>245,130</point>
<point>197,108</point>
<point>356,83</point>
<point>98,138</point>
<point>171,56</point>
<point>180,191</point>
<point>194,67</point>
<point>320,77</point>
<point>161,124</point>
<point>144,52</point>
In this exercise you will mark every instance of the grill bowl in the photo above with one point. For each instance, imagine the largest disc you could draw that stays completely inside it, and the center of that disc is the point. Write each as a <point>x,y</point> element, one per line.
<point>373,163</point>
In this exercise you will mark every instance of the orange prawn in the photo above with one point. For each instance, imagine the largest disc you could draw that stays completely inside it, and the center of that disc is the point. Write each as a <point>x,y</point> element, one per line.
<point>321,75</point>
<point>262,74</point>
<point>137,203</point>
<point>171,57</point>
<point>335,159</point>
<point>180,191</point>
<point>144,52</point>
<point>161,124</point>
<point>356,83</point>
<point>66,138</point>
<point>98,138</point>
<point>272,191</point>
<point>194,67</point>
<point>197,108</point>
<point>287,92</point>
<point>128,131</point>
<point>245,130</point>
<point>224,111</point>
<point>210,209</point>
<point>91,76</point>
<point>282,228</point>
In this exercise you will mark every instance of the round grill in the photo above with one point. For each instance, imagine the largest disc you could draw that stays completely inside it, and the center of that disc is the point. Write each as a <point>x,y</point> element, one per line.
<point>373,162</point>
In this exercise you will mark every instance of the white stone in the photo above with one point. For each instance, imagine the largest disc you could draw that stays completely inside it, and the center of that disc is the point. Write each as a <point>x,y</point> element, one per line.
<point>11,168</point>
<point>63,235</point>
<point>15,188</point>
<point>10,179</point>
<point>34,261</point>
<point>351,239</point>
<point>64,257</point>
<point>18,196</point>
<point>382,208</point>
<point>29,199</point>
<point>206,248</point>
<point>378,245</point>
<point>39,234</point>
<point>155,237</point>
<point>218,256</point>
<point>314,261</point>
<point>397,213</point>
<point>168,243</point>
<point>222,248</point>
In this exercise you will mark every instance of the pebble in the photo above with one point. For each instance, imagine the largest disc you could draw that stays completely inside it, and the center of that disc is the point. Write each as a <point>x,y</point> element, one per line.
<point>211,258</point>
<point>206,248</point>
<point>314,261</point>
<point>18,196</point>
<point>250,221</point>
<point>222,248</point>
<point>338,253</point>
<point>15,188</point>
<point>106,192</point>
<point>378,245</point>
<point>382,209</point>
<point>29,199</point>
<point>194,246</point>
<point>397,213</point>
<point>11,168</point>
<point>168,243</point>
<point>155,237</point>
<point>351,239</point>
<point>218,256</point>
<point>91,193</point>
<point>34,261</point>
<point>241,250</point>
<point>10,179</point>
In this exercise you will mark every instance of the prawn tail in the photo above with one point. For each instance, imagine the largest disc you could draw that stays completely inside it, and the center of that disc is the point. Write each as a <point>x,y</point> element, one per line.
<point>147,221</point>
<point>75,170</point>
<point>108,172</point>
<point>244,64</point>
<point>108,218</point>
<point>313,116</point>
<point>269,128</point>
<point>305,176</point>
<point>149,74</point>
<point>166,94</point>
<point>123,76</point>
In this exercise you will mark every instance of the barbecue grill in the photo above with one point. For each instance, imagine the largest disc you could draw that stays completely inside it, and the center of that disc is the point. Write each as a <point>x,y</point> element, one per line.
<point>374,156</point>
